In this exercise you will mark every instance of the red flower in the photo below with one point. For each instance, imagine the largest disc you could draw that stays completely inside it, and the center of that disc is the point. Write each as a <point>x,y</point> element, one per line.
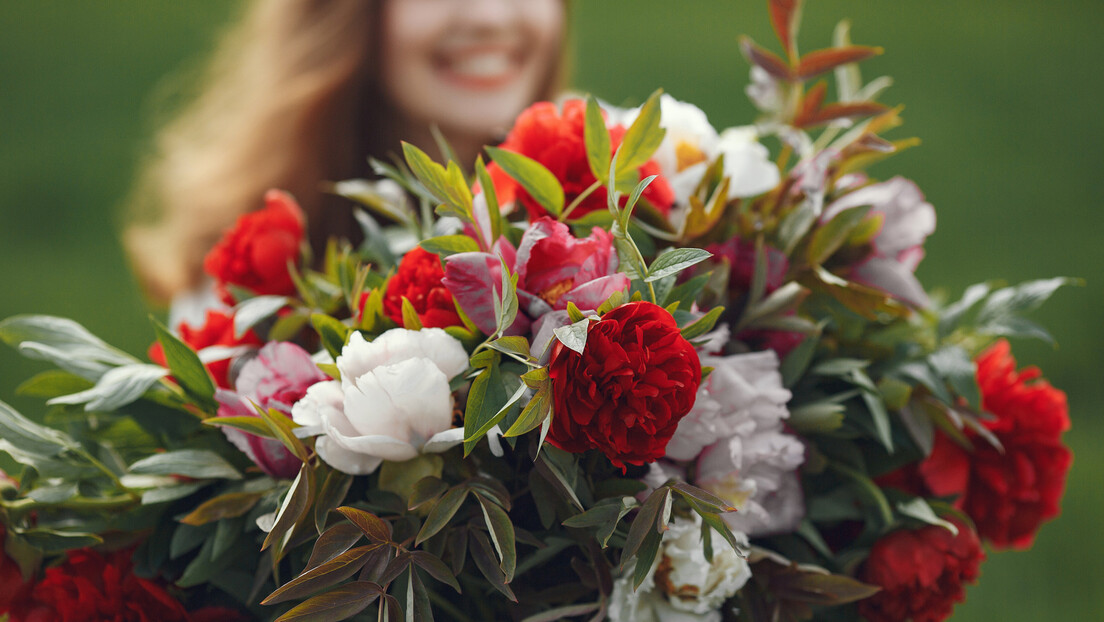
<point>921,572</point>
<point>218,330</point>
<point>256,251</point>
<point>556,140</point>
<point>627,391</point>
<point>1008,494</point>
<point>12,586</point>
<point>90,587</point>
<point>419,281</point>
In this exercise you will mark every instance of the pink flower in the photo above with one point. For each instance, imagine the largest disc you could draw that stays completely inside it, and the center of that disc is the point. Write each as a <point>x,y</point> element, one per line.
<point>278,377</point>
<point>907,220</point>
<point>553,268</point>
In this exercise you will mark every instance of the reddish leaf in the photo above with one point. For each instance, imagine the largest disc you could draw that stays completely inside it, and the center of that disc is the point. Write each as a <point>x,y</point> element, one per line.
<point>230,505</point>
<point>343,602</point>
<point>333,542</point>
<point>783,15</point>
<point>831,112</point>
<point>435,567</point>
<point>373,526</point>
<point>817,62</point>
<point>813,100</point>
<point>330,573</point>
<point>769,61</point>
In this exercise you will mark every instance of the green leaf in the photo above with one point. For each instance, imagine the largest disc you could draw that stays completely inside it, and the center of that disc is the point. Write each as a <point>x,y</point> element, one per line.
<point>829,237</point>
<point>245,423</point>
<point>251,312</point>
<point>338,604</point>
<point>64,343</point>
<point>494,213</point>
<point>445,245</point>
<point>516,345</point>
<point>645,557</point>
<point>642,138</point>
<point>797,361</point>
<point>410,319</point>
<point>955,365</point>
<point>282,428</point>
<point>702,325</point>
<point>51,541</point>
<point>195,463</point>
<point>506,308</point>
<point>186,367</point>
<point>442,513</point>
<point>171,493</point>
<point>537,180</point>
<point>605,516</point>
<point>332,332</point>
<point>52,383</point>
<point>322,576</point>
<point>488,404</point>
<point>597,140</point>
<point>573,336</point>
<point>919,509</point>
<point>118,387</point>
<point>229,505</point>
<point>817,417</point>
<point>1021,298</point>
<point>563,613</point>
<point>645,523</point>
<point>480,548</point>
<point>293,508</point>
<point>502,534</point>
<point>954,313</point>
<point>26,436</point>
<point>447,185</point>
<point>634,197</point>
<point>435,568</point>
<point>426,490</point>
<point>334,488</point>
<point>795,225</point>
<point>333,542</point>
<point>400,477</point>
<point>535,412</point>
<point>702,498</point>
<point>675,261</point>
<point>365,192</point>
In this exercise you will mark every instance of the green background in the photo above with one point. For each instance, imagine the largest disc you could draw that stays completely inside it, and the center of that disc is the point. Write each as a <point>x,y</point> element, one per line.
<point>1006,96</point>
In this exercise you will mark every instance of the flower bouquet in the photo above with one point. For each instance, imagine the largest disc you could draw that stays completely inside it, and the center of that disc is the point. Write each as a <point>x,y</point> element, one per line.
<point>630,368</point>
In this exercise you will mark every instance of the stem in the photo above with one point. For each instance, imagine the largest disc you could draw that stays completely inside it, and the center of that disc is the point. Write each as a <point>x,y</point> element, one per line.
<point>117,502</point>
<point>579,199</point>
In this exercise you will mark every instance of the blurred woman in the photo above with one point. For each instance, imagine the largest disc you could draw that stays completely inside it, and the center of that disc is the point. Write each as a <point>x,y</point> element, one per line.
<point>304,91</point>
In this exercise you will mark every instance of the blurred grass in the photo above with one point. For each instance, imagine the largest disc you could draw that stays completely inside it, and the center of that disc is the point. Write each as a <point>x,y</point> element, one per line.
<point>1006,97</point>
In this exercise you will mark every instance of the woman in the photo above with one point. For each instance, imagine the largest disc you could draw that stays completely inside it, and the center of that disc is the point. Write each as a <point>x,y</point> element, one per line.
<point>304,91</point>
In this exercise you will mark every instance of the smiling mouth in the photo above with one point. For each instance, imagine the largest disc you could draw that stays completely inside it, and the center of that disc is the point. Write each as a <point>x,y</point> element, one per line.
<point>480,68</point>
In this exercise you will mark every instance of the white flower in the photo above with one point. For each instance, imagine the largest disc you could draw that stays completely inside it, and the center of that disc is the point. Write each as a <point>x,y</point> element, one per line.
<point>393,401</point>
<point>682,586</point>
<point>743,455</point>
<point>691,144</point>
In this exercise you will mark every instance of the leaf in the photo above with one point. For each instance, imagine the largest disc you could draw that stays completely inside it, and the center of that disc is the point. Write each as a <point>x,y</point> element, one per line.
<point>294,507</point>
<point>769,61</point>
<point>644,523</point>
<point>494,213</point>
<point>245,423</point>
<point>634,197</point>
<point>562,613</point>
<point>365,192</point>
<point>171,493</point>
<point>502,534</point>
<point>573,336</point>
<point>52,383</point>
<point>822,61</point>
<point>64,343</point>
<point>51,541</point>
<point>830,236</point>
<point>535,412</point>
<point>537,180</point>
<point>195,463</point>
<point>435,568</point>
<point>377,529</point>
<point>955,365</point>
<point>919,509</point>
<point>446,245</point>
<point>597,139</point>
<point>491,406</point>
<point>186,367</point>
<point>954,313</point>
<point>27,436</point>
<point>442,513</point>
<point>480,548</point>
<point>342,602</point>
<point>322,576</point>
<point>642,138</point>
<point>334,489</point>
<point>118,387</point>
<point>840,367</point>
<point>797,361</point>
<point>426,490</point>
<point>702,325</point>
<point>817,417</point>
<point>675,261</point>
<point>516,345</point>
<point>795,225</point>
<point>702,498</point>
<point>229,505</point>
<point>645,557</point>
<point>506,308</point>
<point>283,430</point>
<point>332,333</point>
<point>249,313</point>
<point>447,185</point>
<point>333,542</point>
<point>784,16</point>
<point>1021,298</point>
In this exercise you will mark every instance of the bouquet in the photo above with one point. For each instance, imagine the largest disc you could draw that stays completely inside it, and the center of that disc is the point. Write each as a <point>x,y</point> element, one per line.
<point>629,368</point>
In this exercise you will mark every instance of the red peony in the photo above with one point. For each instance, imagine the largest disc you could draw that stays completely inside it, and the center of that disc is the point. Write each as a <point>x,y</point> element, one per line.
<point>625,394</point>
<point>255,253</point>
<point>90,587</point>
<point>218,330</point>
<point>557,141</point>
<point>1007,493</point>
<point>921,572</point>
<point>419,281</point>
<point>12,586</point>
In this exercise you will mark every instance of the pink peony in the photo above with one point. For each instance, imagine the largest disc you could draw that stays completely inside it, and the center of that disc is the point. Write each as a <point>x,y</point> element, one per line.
<point>278,377</point>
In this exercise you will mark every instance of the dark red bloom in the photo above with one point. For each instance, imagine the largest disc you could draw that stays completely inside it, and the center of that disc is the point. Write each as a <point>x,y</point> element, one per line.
<point>12,586</point>
<point>418,279</point>
<point>556,140</point>
<point>218,330</point>
<point>1007,493</point>
<point>625,394</point>
<point>255,253</point>
<point>94,587</point>
<point>922,573</point>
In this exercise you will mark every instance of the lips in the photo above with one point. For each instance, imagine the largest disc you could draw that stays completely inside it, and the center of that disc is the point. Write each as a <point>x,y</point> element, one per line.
<point>480,68</point>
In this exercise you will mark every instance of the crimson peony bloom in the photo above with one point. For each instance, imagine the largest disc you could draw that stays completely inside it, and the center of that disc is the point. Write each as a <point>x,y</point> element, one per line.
<point>90,587</point>
<point>921,572</point>
<point>556,140</point>
<point>255,253</point>
<point>218,330</point>
<point>1008,494</point>
<point>628,390</point>
<point>419,280</point>
<point>12,586</point>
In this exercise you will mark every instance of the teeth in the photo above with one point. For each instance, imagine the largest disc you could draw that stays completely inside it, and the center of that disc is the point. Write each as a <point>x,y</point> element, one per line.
<point>485,65</point>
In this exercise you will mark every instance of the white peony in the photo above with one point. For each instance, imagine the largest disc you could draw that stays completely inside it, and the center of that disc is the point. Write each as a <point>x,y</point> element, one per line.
<point>743,455</point>
<point>393,401</point>
<point>682,586</point>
